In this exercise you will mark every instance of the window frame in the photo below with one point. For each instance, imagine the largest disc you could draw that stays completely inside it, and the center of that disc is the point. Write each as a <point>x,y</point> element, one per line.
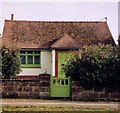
<point>33,54</point>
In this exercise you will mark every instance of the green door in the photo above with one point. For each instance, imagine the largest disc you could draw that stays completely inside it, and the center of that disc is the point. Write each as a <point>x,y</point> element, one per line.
<point>63,57</point>
<point>60,87</point>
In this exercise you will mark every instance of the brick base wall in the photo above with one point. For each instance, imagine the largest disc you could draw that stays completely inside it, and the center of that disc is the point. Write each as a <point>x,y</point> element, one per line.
<point>79,93</point>
<point>39,88</point>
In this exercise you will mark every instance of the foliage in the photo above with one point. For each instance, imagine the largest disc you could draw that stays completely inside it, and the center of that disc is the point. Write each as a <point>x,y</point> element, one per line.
<point>119,44</point>
<point>10,63</point>
<point>98,66</point>
<point>119,40</point>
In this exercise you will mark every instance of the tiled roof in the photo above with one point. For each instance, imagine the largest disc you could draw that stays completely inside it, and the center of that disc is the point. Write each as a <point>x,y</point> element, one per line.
<point>44,34</point>
<point>65,42</point>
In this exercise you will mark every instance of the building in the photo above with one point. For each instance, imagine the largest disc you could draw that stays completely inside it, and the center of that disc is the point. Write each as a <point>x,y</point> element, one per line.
<point>43,44</point>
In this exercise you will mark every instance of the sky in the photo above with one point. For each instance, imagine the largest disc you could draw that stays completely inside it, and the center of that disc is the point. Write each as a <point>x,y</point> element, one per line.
<point>62,11</point>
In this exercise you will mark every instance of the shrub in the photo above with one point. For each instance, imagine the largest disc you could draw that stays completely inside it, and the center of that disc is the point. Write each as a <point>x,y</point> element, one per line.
<point>98,66</point>
<point>119,40</point>
<point>10,63</point>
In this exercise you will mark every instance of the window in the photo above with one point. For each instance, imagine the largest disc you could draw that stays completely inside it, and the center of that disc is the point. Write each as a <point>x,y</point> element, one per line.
<point>30,58</point>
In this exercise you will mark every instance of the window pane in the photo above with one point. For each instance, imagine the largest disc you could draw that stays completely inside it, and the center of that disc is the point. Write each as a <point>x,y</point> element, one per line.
<point>36,52</point>
<point>23,60</point>
<point>22,52</point>
<point>30,52</point>
<point>30,59</point>
<point>36,59</point>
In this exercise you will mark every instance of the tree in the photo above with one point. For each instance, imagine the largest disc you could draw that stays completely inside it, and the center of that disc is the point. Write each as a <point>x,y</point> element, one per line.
<point>98,66</point>
<point>10,63</point>
<point>119,40</point>
<point>119,45</point>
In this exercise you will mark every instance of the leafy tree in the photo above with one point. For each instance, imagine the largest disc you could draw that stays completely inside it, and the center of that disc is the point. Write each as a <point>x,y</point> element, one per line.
<point>10,63</point>
<point>119,40</point>
<point>98,66</point>
<point>119,45</point>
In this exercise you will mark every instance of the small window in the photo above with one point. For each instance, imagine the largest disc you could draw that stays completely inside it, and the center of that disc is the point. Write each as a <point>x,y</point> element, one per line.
<point>22,59</point>
<point>36,52</point>
<point>22,52</point>
<point>29,52</point>
<point>37,59</point>
<point>30,58</point>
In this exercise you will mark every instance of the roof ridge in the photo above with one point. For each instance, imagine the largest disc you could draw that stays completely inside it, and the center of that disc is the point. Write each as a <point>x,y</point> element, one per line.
<point>62,39</point>
<point>56,21</point>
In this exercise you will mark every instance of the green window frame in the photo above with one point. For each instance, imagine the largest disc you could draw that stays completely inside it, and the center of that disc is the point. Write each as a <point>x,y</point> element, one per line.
<point>30,58</point>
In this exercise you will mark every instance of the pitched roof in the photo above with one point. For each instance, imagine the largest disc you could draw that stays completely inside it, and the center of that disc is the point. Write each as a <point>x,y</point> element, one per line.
<point>43,34</point>
<point>65,42</point>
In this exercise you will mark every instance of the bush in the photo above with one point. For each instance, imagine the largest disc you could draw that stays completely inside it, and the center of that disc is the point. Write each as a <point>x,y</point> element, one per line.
<point>10,63</point>
<point>119,40</point>
<point>98,66</point>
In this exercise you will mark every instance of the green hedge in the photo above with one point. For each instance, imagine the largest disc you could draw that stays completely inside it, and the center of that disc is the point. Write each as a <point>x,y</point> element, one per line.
<point>96,66</point>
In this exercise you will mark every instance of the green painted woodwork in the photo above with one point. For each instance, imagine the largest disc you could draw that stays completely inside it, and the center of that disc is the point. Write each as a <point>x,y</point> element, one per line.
<point>63,57</point>
<point>60,87</point>
<point>30,59</point>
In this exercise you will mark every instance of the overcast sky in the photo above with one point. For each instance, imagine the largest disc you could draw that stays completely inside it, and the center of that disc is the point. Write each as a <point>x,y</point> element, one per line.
<point>62,11</point>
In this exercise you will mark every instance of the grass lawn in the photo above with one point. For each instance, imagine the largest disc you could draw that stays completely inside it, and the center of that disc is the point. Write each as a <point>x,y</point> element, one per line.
<point>6,109</point>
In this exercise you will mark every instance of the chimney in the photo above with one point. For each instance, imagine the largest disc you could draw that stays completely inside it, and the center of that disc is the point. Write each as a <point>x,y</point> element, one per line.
<point>12,17</point>
<point>106,19</point>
